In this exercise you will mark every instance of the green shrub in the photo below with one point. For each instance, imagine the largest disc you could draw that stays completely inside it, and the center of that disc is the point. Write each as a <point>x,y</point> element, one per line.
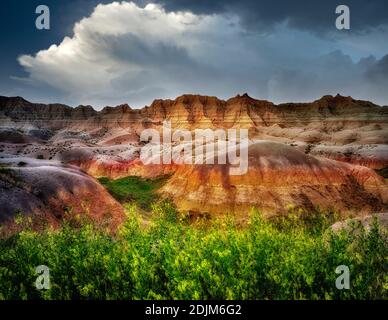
<point>134,189</point>
<point>168,259</point>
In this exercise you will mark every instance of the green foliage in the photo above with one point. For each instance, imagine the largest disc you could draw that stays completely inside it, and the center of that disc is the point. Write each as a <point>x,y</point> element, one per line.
<point>169,259</point>
<point>134,189</point>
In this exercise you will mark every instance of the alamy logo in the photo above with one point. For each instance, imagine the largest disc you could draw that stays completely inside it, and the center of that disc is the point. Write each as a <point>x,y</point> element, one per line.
<point>42,22</point>
<point>231,146</point>
<point>43,279</point>
<point>343,281</point>
<point>343,20</point>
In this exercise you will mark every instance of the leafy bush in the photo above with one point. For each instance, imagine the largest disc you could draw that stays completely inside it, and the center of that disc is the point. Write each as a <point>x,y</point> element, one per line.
<point>170,259</point>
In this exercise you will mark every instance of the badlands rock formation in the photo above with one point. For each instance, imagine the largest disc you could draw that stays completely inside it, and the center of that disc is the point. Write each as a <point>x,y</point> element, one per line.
<point>333,113</point>
<point>327,123</point>
<point>367,222</point>
<point>278,176</point>
<point>322,153</point>
<point>50,191</point>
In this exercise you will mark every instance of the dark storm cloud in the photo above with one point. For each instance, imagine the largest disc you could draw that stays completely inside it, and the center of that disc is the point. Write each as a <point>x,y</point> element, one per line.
<point>331,74</point>
<point>379,71</point>
<point>377,78</point>
<point>277,50</point>
<point>132,48</point>
<point>313,15</point>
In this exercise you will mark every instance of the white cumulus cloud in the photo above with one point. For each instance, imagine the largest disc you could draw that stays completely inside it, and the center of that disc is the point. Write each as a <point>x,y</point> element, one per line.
<point>122,51</point>
<point>126,53</point>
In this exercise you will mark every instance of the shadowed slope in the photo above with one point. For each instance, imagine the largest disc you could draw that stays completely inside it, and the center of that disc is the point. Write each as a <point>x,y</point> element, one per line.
<point>48,191</point>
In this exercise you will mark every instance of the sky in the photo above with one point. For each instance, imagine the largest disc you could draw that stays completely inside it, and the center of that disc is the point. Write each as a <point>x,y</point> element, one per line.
<point>106,53</point>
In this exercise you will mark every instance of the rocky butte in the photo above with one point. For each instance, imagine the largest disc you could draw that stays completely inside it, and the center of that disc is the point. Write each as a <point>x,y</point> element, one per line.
<point>331,153</point>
